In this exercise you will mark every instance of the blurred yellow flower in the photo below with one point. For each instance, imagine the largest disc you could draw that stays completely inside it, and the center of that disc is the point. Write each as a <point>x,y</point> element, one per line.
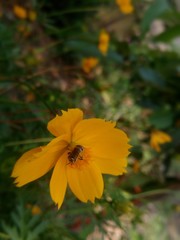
<point>20,12</point>
<point>103,42</point>
<point>89,64</point>
<point>82,150</point>
<point>125,6</point>
<point>36,210</point>
<point>157,138</point>
<point>32,15</point>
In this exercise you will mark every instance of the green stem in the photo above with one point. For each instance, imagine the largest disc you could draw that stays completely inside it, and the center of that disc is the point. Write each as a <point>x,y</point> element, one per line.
<point>29,141</point>
<point>75,10</point>
<point>31,89</point>
<point>151,193</point>
<point>39,96</point>
<point>77,210</point>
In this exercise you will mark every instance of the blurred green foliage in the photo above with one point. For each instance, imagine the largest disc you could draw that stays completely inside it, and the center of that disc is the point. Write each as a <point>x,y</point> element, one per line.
<point>136,84</point>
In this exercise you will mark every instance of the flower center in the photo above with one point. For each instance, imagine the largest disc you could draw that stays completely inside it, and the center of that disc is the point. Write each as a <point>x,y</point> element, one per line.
<point>77,156</point>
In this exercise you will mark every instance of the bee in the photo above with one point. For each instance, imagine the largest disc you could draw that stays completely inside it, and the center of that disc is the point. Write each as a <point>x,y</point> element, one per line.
<point>74,155</point>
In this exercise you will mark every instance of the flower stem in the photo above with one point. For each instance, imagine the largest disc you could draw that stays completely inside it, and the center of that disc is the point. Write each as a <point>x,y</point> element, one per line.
<point>151,193</point>
<point>75,10</point>
<point>29,141</point>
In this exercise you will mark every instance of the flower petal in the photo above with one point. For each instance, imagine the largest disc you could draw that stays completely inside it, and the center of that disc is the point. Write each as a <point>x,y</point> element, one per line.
<point>65,123</point>
<point>110,152</point>
<point>86,183</point>
<point>108,145</point>
<point>155,145</point>
<point>58,183</point>
<point>37,162</point>
<point>157,138</point>
<point>87,130</point>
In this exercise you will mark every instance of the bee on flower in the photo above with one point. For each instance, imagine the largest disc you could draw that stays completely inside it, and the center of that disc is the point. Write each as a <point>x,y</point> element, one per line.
<point>82,150</point>
<point>158,138</point>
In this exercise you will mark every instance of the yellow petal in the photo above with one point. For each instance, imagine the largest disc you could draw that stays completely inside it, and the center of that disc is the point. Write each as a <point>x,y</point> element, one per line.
<point>165,137</point>
<point>111,166</point>
<point>108,145</point>
<point>37,162</point>
<point>58,183</point>
<point>111,151</point>
<point>154,143</point>
<point>73,181</point>
<point>156,146</point>
<point>86,183</point>
<point>159,137</point>
<point>65,123</point>
<point>88,129</point>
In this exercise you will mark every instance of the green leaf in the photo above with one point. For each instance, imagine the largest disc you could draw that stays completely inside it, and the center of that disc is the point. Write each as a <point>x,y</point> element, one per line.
<point>157,8</point>
<point>114,56</point>
<point>87,49</point>
<point>174,167</point>
<point>151,76</point>
<point>169,34</point>
<point>161,118</point>
<point>171,16</point>
<point>138,179</point>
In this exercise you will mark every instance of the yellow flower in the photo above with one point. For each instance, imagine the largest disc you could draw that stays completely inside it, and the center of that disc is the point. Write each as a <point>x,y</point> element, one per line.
<point>125,6</point>
<point>81,151</point>
<point>20,12</point>
<point>32,15</point>
<point>35,210</point>
<point>89,64</point>
<point>103,42</point>
<point>157,138</point>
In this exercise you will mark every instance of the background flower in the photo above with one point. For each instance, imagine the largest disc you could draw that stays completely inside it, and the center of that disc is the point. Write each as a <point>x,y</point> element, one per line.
<point>88,64</point>
<point>20,12</point>
<point>103,42</point>
<point>158,138</point>
<point>125,6</point>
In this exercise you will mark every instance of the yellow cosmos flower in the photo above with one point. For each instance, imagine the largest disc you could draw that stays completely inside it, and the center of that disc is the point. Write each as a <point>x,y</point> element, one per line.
<point>157,138</point>
<point>88,64</point>
<point>103,42</point>
<point>82,150</point>
<point>125,6</point>
<point>20,12</point>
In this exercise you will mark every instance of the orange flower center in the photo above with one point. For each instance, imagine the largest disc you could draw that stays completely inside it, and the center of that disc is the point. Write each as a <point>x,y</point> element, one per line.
<point>77,156</point>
